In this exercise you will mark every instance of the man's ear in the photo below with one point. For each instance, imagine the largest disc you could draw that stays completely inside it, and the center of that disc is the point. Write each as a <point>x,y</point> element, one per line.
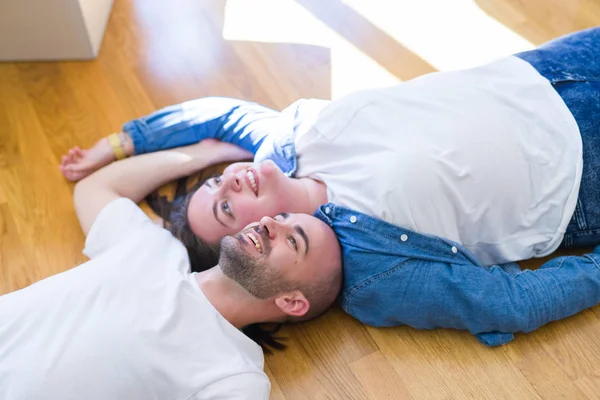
<point>293,304</point>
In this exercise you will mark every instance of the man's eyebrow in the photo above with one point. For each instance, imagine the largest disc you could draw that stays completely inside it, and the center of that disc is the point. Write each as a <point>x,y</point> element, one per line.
<point>301,232</point>
<point>216,213</point>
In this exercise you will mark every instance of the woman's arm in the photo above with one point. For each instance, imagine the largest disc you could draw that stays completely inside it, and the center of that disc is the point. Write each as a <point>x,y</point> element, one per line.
<point>135,178</point>
<point>239,122</point>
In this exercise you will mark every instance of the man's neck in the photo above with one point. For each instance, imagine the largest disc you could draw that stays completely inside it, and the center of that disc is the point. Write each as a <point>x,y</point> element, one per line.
<point>232,301</point>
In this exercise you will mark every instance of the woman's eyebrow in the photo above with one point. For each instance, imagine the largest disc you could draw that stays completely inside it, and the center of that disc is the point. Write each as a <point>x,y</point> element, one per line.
<point>216,213</point>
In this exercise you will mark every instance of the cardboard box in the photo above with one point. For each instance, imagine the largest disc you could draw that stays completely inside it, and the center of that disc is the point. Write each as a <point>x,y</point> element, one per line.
<point>52,29</point>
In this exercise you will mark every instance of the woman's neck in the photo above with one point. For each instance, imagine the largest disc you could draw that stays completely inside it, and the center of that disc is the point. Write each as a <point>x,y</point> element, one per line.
<point>308,196</point>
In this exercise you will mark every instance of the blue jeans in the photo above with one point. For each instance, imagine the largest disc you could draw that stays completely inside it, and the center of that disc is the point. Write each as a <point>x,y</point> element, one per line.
<point>572,65</point>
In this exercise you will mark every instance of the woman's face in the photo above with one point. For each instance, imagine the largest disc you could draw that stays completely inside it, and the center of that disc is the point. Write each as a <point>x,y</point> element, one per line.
<point>243,194</point>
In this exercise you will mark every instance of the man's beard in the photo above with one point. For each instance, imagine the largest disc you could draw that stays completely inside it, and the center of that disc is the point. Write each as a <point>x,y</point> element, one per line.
<point>253,274</point>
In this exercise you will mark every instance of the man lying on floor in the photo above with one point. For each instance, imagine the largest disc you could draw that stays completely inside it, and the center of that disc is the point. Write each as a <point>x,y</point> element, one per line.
<point>134,323</point>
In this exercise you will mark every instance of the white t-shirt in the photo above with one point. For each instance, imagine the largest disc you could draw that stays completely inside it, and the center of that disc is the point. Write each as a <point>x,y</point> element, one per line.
<point>489,157</point>
<point>130,324</point>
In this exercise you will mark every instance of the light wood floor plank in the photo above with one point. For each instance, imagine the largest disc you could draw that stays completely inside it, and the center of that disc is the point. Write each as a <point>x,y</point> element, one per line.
<point>379,378</point>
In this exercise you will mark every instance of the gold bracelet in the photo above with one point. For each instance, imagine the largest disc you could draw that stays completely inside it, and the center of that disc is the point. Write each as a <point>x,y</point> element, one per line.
<point>117,148</point>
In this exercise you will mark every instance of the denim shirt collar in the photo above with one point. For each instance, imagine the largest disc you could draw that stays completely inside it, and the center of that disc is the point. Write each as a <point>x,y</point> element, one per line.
<point>378,240</point>
<point>423,246</point>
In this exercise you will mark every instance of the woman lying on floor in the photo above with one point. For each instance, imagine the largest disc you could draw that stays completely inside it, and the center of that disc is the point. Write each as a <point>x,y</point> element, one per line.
<point>435,187</point>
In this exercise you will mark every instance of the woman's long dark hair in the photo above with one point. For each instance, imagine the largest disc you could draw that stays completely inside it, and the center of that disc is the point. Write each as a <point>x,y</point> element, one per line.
<point>203,255</point>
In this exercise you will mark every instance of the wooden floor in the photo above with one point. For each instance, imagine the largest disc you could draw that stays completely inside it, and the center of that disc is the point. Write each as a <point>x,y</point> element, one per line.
<point>160,52</point>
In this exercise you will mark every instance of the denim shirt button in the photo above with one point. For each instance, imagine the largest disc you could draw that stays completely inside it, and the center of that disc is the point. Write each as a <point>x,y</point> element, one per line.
<point>404,237</point>
<point>353,219</point>
<point>454,249</point>
<point>327,210</point>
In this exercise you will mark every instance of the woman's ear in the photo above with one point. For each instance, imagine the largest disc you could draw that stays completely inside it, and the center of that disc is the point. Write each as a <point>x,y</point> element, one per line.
<point>293,304</point>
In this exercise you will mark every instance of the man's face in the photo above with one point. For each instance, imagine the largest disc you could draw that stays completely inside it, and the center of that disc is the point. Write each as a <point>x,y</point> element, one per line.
<point>276,254</point>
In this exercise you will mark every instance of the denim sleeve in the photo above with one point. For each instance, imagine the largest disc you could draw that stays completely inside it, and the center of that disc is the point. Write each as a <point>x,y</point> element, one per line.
<point>235,121</point>
<point>491,303</point>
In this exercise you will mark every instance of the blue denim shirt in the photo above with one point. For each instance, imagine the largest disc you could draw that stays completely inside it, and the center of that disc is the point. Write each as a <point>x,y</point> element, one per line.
<point>392,276</point>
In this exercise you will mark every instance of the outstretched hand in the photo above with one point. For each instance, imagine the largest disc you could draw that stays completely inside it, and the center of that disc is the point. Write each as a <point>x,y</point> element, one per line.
<point>78,163</point>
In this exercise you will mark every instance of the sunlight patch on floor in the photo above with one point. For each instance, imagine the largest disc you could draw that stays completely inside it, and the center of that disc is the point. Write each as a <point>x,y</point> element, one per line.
<point>284,21</point>
<point>448,34</point>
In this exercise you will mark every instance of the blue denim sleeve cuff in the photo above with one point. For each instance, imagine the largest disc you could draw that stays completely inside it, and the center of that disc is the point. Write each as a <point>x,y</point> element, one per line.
<point>493,339</point>
<point>140,142</point>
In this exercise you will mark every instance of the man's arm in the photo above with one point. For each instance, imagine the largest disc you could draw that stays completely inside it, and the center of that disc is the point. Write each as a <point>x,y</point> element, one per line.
<point>135,178</point>
<point>490,302</point>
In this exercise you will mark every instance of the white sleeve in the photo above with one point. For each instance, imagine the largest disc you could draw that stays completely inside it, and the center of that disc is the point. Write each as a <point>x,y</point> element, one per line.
<point>117,220</point>
<point>245,386</point>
